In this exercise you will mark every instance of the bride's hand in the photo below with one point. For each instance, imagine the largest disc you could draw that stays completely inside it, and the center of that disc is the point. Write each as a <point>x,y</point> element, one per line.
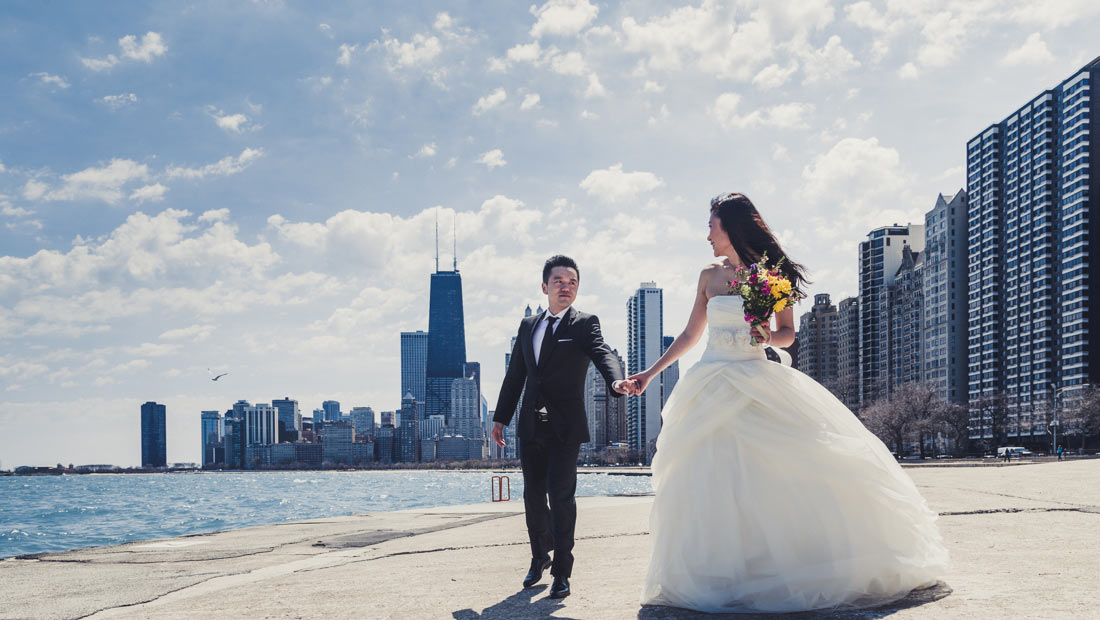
<point>764,338</point>
<point>640,380</point>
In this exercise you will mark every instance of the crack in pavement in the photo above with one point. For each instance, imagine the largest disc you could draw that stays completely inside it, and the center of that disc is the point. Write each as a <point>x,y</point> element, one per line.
<point>1030,499</point>
<point>1083,510</point>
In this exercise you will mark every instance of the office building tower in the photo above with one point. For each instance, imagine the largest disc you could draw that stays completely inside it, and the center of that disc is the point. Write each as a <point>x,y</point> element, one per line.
<point>290,419</point>
<point>847,352</point>
<point>153,435</point>
<point>446,336</point>
<point>261,424</point>
<point>906,300</point>
<point>362,418</point>
<point>1030,233</point>
<point>387,418</point>
<point>431,427</point>
<point>944,363</point>
<point>414,363</point>
<point>879,258</point>
<point>211,437</point>
<point>331,411</point>
<point>408,435</point>
<point>336,440</point>
<point>670,375</point>
<point>384,444</point>
<point>602,409</point>
<point>645,316</point>
<point>817,342</point>
<point>465,408</point>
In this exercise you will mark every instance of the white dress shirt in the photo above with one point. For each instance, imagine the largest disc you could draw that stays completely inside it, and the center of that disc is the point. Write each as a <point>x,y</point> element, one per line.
<point>540,330</point>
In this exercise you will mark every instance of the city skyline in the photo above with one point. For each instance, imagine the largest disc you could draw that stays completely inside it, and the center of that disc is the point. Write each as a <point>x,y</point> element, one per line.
<point>272,216</point>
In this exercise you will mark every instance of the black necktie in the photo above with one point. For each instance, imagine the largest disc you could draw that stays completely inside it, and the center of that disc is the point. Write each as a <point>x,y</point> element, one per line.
<point>546,338</point>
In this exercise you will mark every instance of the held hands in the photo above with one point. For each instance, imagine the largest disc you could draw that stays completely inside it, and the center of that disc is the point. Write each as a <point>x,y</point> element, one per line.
<point>634,385</point>
<point>498,433</point>
<point>766,337</point>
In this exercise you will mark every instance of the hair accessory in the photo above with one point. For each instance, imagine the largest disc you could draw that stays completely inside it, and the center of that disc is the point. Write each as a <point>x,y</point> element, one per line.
<point>719,199</point>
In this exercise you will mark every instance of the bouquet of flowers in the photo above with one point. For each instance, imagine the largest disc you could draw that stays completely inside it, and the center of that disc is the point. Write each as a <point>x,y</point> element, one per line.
<point>764,290</point>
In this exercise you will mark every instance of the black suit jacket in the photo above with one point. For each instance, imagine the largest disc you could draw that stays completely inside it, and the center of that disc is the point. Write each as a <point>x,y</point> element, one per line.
<point>559,377</point>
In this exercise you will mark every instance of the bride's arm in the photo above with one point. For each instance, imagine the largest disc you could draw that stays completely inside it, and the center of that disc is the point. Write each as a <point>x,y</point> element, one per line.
<point>688,338</point>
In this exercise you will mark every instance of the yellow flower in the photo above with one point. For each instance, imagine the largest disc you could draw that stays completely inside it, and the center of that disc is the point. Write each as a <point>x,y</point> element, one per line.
<point>780,305</point>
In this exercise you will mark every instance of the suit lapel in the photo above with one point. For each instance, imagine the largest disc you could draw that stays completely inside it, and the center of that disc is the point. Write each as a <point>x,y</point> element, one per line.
<point>566,321</point>
<point>528,347</point>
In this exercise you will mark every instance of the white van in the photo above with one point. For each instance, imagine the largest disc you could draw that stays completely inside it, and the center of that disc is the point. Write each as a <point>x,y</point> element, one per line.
<point>1015,451</point>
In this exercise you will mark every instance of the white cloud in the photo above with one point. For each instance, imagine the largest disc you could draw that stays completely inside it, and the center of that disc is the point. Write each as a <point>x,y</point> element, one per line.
<point>613,185</point>
<point>1055,13</point>
<point>828,63</point>
<point>784,116</point>
<point>104,183</point>
<point>223,167</point>
<point>2,168</point>
<point>1033,52</point>
<point>215,215</point>
<point>10,211</point>
<point>595,88</point>
<point>774,76</point>
<point>118,101</point>
<point>490,101</point>
<point>149,193</point>
<point>570,63</point>
<point>908,71</point>
<point>492,159</point>
<point>149,47</point>
<point>231,123</point>
<point>855,169</point>
<point>420,50</point>
<point>346,50</point>
<point>563,17</point>
<point>652,87</point>
<point>51,80</point>
<point>194,333</point>
<point>530,101</point>
<point>428,150</point>
<point>586,115</point>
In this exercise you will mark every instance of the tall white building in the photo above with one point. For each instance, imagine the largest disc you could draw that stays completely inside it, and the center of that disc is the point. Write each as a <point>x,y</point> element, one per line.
<point>943,324</point>
<point>261,424</point>
<point>880,256</point>
<point>465,408</point>
<point>645,331</point>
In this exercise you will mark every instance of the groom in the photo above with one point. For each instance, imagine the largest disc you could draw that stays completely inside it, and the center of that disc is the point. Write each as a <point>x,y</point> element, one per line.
<point>550,359</point>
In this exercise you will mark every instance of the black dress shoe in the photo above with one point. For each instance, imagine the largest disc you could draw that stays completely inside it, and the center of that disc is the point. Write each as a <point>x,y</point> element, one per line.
<point>537,566</point>
<point>560,589</point>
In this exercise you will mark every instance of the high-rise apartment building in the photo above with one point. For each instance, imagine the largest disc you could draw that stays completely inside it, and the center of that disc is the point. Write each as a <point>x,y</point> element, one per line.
<point>847,353</point>
<point>817,342</point>
<point>670,375</point>
<point>414,364</point>
<point>944,360</point>
<point>362,418</point>
<point>645,332</point>
<point>211,437</point>
<point>331,409</point>
<point>408,435</point>
<point>906,303</point>
<point>879,258</point>
<point>1030,219</point>
<point>153,435</point>
<point>465,408</point>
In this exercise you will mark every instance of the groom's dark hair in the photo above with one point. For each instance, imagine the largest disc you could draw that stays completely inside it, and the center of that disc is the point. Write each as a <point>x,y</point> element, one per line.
<point>558,260</point>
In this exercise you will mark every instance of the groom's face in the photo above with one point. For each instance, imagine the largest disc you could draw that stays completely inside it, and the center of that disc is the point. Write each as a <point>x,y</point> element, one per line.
<point>562,287</point>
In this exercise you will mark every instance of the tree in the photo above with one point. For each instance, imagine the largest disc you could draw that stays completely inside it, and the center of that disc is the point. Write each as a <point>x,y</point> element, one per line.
<point>1083,416</point>
<point>956,418</point>
<point>994,407</point>
<point>888,423</point>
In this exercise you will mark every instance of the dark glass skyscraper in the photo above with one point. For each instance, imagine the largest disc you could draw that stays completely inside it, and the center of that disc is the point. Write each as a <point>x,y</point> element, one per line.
<point>153,439</point>
<point>446,342</point>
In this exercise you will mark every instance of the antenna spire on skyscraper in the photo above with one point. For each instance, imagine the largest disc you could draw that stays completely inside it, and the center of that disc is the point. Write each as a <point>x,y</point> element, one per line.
<point>454,230</point>
<point>437,241</point>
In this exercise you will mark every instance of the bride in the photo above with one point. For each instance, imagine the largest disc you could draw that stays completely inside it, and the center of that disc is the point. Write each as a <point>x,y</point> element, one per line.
<point>770,495</point>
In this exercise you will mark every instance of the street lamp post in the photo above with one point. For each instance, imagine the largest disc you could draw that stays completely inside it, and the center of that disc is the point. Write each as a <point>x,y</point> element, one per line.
<point>1054,414</point>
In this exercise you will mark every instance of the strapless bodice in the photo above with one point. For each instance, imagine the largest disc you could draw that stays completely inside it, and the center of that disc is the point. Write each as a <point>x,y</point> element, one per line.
<point>728,336</point>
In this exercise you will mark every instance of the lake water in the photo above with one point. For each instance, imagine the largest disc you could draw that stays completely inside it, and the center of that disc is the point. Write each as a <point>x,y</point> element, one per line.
<point>58,513</point>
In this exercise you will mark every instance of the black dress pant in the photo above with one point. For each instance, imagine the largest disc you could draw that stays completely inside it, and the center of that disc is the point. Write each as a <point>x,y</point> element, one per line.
<point>550,472</point>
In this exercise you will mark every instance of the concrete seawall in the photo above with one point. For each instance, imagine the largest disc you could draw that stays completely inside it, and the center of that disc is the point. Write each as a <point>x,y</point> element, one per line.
<point>1024,543</point>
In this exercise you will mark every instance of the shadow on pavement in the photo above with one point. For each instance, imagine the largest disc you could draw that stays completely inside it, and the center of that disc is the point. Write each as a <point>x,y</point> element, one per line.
<point>915,598</point>
<point>516,607</point>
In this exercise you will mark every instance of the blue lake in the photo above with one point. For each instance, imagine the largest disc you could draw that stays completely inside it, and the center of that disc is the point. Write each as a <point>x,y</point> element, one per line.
<point>57,513</point>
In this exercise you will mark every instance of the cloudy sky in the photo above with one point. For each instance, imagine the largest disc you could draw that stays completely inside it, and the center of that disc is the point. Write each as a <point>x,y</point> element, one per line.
<point>252,187</point>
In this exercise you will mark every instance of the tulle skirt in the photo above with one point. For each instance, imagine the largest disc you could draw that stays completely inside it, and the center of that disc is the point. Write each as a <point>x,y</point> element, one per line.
<point>771,496</point>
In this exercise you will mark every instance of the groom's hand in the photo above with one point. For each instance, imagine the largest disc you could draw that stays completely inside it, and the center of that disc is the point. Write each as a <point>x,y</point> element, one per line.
<point>498,433</point>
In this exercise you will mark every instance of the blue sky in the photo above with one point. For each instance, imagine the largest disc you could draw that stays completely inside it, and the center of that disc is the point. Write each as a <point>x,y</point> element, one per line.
<point>252,186</point>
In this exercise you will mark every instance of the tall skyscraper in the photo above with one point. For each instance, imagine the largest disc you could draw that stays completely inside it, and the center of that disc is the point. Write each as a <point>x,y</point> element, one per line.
<point>153,435</point>
<point>847,350</point>
<point>945,289</point>
<point>1030,219</point>
<point>606,413</point>
<point>906,302</point>
<point>211,437</point>
<point>408,434</point>
<point>645,316</point>
<point>465,408</point>
<point>414,364</point>
<point>446,339</point>
<point>879,258</point>
<point>817,342</point>
<point>290,419</point>
<point>331,410</point>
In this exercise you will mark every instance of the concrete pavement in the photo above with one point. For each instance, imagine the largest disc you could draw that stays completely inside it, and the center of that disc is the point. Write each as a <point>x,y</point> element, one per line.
<point>1023,538</point>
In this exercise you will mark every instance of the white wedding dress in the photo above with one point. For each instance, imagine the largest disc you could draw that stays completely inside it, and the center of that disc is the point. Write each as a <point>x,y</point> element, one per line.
<point>771,496</point>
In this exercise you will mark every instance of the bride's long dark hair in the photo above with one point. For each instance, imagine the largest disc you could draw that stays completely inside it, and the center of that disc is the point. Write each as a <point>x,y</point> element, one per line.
<point>751,237</point>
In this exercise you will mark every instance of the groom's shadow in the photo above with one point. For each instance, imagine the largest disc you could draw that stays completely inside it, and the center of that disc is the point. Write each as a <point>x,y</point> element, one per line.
<point>916,598</point>
<point>520,605</point>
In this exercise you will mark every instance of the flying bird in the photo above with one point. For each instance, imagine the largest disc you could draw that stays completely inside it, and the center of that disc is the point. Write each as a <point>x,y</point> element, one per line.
<point>215,378</point>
